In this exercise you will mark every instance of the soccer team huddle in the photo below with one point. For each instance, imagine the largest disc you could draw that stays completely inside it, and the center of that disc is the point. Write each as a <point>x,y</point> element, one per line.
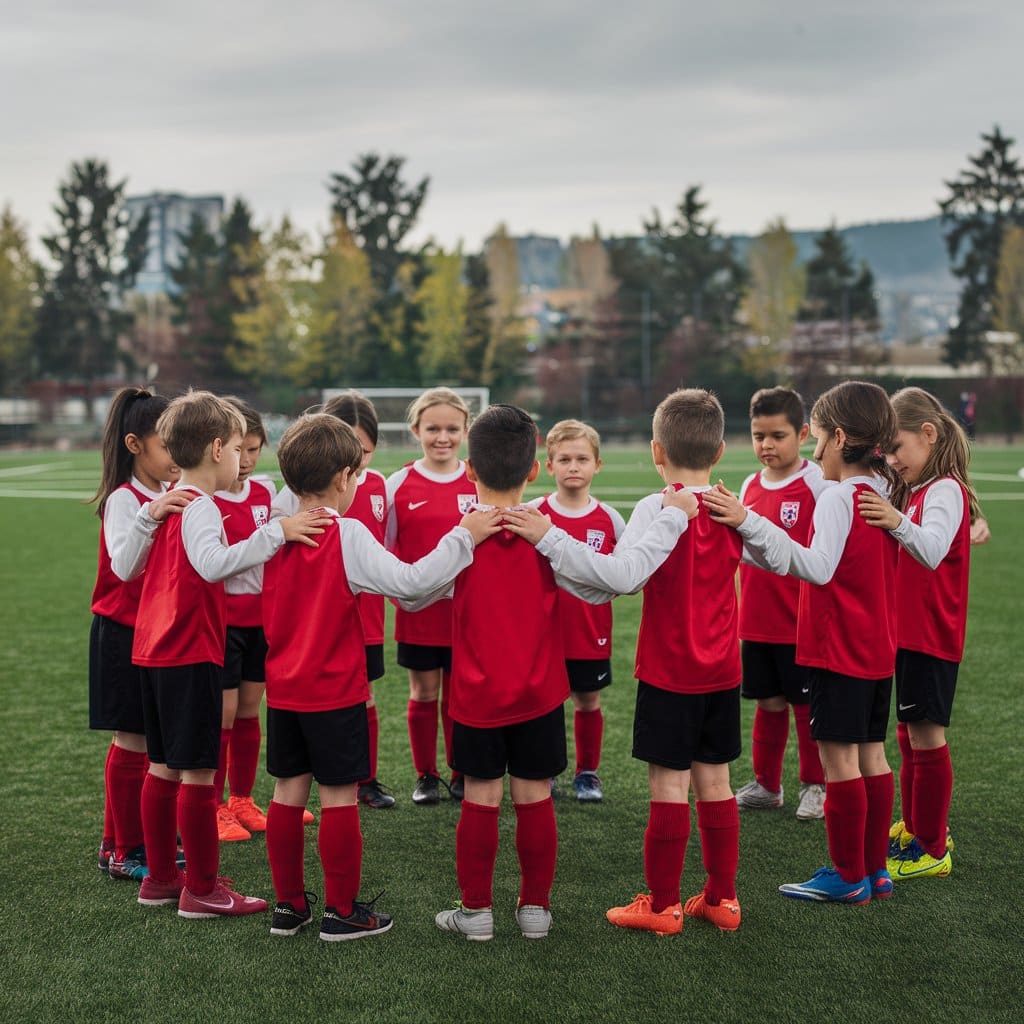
<point>213,592</point>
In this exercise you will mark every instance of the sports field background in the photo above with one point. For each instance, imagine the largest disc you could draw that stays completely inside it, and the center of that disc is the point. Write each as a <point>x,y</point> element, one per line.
<point>74,946</point>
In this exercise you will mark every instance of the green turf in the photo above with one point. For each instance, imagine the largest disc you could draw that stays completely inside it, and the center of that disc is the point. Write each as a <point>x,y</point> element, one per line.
<point>75,946</point>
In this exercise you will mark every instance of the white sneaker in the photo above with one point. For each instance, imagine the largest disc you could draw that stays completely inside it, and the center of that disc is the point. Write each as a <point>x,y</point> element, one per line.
<point>753,796</point>
<point>534,922</point>
<point>812,802</point>
<point>476,925</point>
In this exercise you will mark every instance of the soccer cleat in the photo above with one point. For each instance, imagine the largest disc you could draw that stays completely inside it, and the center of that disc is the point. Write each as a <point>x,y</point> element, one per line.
<point>754,797</point>
<point>247,814</point>
<point>307,817</point>
<point>900,839</point>
<point>228,828</point>
<point>106,852</point>
<point>289,921</point>
<point>812,802</point>
<point>476,925</point>
<point>726,916</point>
<point>534,922</point>
<point>915,862</point>
<point>179,856</point>
<point>132,867</point>
<point>161,894</point>
<point>374,795</point>
<point>826,885</point>
<point>881,884</point>
<point>640,914</point>
<point>363,921</point>
<point>427,791</point>
<point>587,787</point>
<point>220,902</point>
<point>457,787</point>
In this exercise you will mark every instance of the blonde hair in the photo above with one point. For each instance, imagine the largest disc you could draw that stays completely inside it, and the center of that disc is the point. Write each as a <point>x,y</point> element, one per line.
<point>949,456</point>
<point>573,430</point>
<point>435,396</point>
<point>690,426</point>
<point>193,421</point>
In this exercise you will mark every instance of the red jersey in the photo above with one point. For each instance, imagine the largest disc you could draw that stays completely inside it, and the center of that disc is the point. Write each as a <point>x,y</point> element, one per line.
<point>243,513</point>
<point>111,596</point>
<point>508,665</point>
<point>370,507</point>
<point>931,615</point>
<point>768,602</point>
<point>316,659</point>
<point>586,628</point>
<point>422,508</point>
<point>689,640</point>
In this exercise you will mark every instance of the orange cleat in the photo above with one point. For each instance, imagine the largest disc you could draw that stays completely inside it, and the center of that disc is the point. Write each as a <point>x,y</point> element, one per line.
<point>640,914</point>
<point>228,828</point>
<point>247,814</point>
<point>726,916</point>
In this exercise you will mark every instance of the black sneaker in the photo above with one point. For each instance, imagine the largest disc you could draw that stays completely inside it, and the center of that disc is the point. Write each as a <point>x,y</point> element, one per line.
<point>374,795</point>
<point>363,921</point>
<point>427,791</point>
<point>132,868</point>
<point>457,787</point>
<point>289,921</point>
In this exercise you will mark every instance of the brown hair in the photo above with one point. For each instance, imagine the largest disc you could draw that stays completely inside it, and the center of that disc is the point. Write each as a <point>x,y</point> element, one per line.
<point>949,456</point>
<point>435,396</point>
<point>314,450</point>
<point>355,409</point>
<point>133,410</point>
<point>690,425</point>
<point>573,430</point>
<point>253,422</point>
<point>864,413</point>
<point>775,401</point>
<point>502,447</point>
<point>192,422</point>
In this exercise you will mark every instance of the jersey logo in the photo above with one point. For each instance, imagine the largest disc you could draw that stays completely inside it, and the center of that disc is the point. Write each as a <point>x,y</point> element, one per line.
<point>377,507</point>
<point>789,512</point>
<point>911,511</point>
<point>595,539</point>
<point>601,641</point>
<point>413,505</point>
<point>466,503</point>
<point>261,515</point>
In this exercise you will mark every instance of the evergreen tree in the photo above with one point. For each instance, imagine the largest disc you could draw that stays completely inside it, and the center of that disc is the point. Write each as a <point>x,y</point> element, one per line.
<point>986,199</point>
<point>479,318</point>
<point>441,331</point>
<point>19,303</point>
<point>836,290</point>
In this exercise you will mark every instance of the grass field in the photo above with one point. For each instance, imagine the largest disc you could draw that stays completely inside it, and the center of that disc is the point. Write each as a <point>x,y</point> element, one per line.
<point>75,946</point>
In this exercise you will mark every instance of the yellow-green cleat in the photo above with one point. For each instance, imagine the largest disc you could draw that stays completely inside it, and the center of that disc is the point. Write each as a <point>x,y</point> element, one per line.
<point>900,839</point>
<point>915,862</point>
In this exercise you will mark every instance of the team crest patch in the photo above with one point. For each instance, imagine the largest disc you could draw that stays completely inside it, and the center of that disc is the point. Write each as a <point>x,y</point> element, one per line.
<point>261,514</point>
<point>377,507</point>
<point>789,512</point>
<point>466,503</point>
<point>595,539</point>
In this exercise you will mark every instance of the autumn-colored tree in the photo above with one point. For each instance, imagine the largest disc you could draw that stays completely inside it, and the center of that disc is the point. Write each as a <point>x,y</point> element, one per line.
<point>1008,311</point>
<point>19,302</point>
<point>442,299</point>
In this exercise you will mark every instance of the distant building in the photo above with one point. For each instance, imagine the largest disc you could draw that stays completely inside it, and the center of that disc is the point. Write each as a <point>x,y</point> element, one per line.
<point>170,214</point>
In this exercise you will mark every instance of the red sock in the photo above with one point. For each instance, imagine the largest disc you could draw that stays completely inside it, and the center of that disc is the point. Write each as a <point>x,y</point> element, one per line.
<point>243,756</point>
<point>126,772</point>
<point>668,829</point>
<point>286,842</point>
<point>537,847</point>
<point>446,718</point>
<point>197,818</point>
<point>933,787</point>
<point>811,772</point>
<point>846,810</point>
<point>719,824</point>
<point>341,853</point>
<point>222,767</point>
<point>160,827</point>
<point>374,725</point>
<point>422,718</point>
<point>108,807</point>
<point>476,850</point>
<point>771,729</point>
<point>880,791</point>
<point>907,770</point>
<point>588,728</point>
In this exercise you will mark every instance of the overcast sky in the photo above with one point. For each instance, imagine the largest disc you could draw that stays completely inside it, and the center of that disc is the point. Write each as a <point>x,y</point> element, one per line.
<point>549,116</point>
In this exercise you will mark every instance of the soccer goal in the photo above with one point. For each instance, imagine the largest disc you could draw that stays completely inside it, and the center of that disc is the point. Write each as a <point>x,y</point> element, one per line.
<point>392,403</point>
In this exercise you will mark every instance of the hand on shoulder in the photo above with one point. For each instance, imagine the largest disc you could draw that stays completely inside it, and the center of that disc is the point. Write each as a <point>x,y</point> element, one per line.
<point>172,503</point>
<point>481,523</point>
<point>527,522</point>
<point>723,506</point>
<point>303,526</point>
<point>876,511</point>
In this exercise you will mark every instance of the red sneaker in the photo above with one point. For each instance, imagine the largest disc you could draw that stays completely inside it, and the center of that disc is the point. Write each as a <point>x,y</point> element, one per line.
<point>228,828</point>
<point>221,902</point>
<point>161,894</point>
<point>640,914</point>
<point>725,916</point>
<point>247,814</point>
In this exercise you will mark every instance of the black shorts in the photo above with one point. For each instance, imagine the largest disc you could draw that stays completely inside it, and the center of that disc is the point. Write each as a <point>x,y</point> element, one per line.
<point>534,749</point>
<point>770,670</point>
<point>845,709</point>
<point>374,662</point>
<point>333,746</point>
<point>423,658</point>
<point>245,656</point>
<point>115,686</point>
<point>675,729</point>
<point>182,707</point>
<point>925,687</point>
<point>586,675</point>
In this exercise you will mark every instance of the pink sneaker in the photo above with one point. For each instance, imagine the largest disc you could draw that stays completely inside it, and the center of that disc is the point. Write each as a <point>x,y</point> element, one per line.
<point>221,902</point>
<point>161,894</point>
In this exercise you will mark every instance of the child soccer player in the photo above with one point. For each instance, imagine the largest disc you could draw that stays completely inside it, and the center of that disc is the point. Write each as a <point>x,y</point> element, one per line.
<point>573,459</point>
<point>785,492</point>
<point>179,643</point>
<point>316,671</point>
<point>938,505</point>
<point>846,633</point>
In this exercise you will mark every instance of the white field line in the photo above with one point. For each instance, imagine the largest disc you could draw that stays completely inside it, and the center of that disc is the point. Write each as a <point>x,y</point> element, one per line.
<point>43,467</point>
<point>11,492</point>
<point>998,478</point>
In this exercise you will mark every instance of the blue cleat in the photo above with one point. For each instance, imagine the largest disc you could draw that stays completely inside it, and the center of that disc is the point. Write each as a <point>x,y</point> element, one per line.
<point>826,885</point>
<point>881,884</point>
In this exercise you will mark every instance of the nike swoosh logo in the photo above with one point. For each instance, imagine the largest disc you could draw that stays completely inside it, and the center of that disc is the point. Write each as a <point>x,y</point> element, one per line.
<point>907,707</point>
<point>603,675</point>
<point>806,689</point>
<point>222,905</point>
<point>413,505</point>
<point>224,519</point>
